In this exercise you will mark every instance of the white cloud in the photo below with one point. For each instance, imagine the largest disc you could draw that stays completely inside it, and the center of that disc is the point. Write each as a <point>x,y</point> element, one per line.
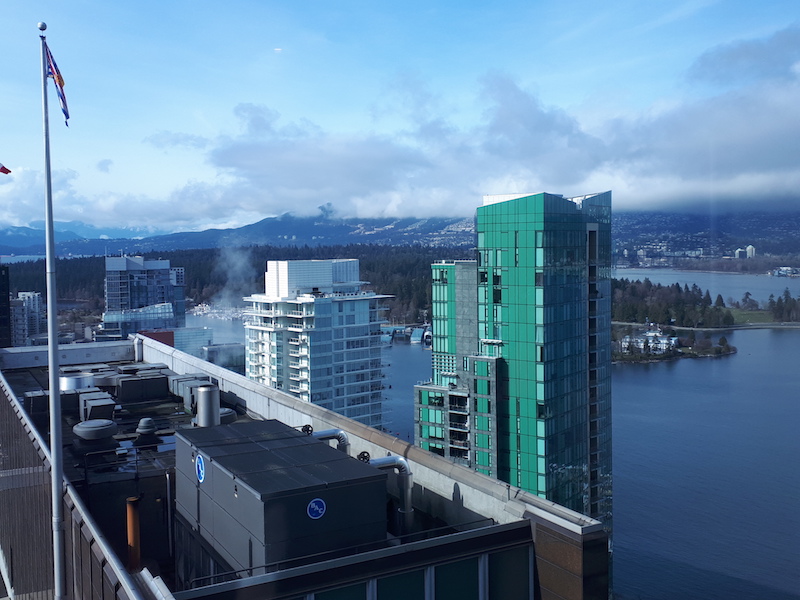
<point>773,57</point>
<point>735,145</point>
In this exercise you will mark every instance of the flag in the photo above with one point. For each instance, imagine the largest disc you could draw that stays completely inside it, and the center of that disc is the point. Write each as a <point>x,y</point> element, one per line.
<point>4,170</point>
<point>52,71</point>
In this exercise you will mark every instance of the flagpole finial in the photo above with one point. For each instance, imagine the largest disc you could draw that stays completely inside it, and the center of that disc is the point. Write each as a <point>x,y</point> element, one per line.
<point>42,25</point>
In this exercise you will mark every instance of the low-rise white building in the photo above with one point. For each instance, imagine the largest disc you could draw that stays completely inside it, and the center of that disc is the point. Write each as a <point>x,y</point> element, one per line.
<point>653,341</point>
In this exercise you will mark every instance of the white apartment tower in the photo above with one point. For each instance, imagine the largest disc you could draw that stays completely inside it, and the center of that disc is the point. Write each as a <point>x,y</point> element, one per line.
<point>315,333</point>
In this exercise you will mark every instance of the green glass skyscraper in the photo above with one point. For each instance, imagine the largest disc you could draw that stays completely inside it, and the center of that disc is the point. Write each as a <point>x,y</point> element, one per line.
<point>521,377</point>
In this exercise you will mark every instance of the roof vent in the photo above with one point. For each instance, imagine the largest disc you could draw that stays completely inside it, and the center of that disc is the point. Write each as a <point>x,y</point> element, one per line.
<point>146,426</point>
<point>95,429</point>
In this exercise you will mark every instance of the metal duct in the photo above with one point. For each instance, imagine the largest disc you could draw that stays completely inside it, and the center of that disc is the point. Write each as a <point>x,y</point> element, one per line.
<point>75,381</point>
<point>405,481</point>
<point>343,442</point>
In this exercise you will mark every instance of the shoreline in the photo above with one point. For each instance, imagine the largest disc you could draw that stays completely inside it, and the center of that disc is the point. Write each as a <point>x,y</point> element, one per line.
<point>729,328</point>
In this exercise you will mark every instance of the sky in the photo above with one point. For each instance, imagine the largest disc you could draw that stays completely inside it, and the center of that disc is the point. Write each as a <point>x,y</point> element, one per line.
<point>192,115</point>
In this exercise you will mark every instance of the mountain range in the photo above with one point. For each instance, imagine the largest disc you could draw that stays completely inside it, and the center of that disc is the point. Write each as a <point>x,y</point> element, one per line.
<point>770,232</point>
<point>285,230</point>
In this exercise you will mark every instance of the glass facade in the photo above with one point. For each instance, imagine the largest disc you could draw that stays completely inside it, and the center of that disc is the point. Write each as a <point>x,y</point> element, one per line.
<point>319,341</point>
<point>142,294</point>
<point>526,343</point>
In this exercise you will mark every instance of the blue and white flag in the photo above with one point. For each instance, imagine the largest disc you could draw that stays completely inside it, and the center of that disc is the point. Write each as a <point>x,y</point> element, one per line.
<point>52,71</point>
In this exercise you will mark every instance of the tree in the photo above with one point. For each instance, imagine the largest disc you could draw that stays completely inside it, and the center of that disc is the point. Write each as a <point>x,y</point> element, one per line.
<point>719,302</point>
<point>723,342</point>
<point>748,303</point>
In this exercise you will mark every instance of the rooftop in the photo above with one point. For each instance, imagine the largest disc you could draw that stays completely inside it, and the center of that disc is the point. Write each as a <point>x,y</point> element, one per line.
<point>397,511</point>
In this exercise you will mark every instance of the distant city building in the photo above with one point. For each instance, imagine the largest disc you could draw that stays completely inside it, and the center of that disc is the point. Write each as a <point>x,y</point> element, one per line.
<point>19,323</point>
<point>35,312</point>
<point>740,253</point>
<point>27,319</point>
<point>141,294</point>
<point>751,251</point>
<point>521,366</point>
<point>315,333</point>
<point>5,307</point>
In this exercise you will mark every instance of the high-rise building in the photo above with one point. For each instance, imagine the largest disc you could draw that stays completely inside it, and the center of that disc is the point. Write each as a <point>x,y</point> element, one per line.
<point>142,294</point>
<point>521,367</point>
<point>315,333</point>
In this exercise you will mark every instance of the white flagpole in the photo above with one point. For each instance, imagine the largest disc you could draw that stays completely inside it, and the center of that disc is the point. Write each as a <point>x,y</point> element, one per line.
<point>56,466</point>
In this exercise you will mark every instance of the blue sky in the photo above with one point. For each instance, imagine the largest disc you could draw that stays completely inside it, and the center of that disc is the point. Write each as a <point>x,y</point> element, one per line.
<point>189,115</point>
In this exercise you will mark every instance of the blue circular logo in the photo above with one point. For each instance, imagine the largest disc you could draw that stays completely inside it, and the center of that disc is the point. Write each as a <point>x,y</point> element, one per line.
<point>316,508</point>
<point>200,468</point>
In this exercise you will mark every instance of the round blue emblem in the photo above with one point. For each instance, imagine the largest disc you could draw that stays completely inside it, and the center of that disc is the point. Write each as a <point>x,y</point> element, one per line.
<point>316,508</point>
<point>200,468</point>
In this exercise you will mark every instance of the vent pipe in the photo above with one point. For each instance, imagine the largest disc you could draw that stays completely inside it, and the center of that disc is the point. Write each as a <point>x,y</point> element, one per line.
<point>134,547</point>
<point>207,405</point>
<point>405,481</point>
<point>343,442</point>
<point>138,349</point>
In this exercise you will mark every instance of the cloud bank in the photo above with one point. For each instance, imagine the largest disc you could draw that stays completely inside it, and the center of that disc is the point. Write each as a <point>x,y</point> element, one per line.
<point>733,142</point>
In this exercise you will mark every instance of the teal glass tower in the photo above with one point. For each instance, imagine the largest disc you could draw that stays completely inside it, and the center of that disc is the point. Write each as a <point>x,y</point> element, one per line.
<point>521,367</point>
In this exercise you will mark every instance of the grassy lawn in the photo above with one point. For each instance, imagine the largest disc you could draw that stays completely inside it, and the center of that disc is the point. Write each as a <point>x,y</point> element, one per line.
<point>742,317</point>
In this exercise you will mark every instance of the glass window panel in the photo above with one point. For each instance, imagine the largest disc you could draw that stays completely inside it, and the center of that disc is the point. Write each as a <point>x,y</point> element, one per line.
<point>457,581</point>
<point>509,574</point>
<point>351,592</point>
<point>406,586</point>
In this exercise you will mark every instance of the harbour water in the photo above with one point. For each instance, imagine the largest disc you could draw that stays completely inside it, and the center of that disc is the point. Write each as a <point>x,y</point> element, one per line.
<point>706,473</point>
<point>706,470</point>
<point>729,285</point>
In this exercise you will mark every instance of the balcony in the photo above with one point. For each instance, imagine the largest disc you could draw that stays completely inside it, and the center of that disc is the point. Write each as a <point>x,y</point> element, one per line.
<point>459,406</point>
<point>459,426</point>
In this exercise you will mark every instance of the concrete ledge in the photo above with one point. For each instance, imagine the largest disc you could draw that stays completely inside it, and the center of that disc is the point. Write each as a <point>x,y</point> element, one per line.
<point>439,484</point>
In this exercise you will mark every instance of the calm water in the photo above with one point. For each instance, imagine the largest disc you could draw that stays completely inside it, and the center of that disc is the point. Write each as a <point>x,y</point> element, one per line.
<point>706,473</point>
<point>706,469</point>
<point>405,365</point>
<point>729,285</point>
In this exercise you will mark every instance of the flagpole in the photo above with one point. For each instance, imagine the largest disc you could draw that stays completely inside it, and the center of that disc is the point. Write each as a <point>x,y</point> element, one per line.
<point>56,466</point>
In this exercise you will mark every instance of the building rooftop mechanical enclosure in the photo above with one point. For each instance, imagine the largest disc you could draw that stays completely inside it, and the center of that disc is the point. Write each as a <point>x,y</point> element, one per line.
<point>185,480</point>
